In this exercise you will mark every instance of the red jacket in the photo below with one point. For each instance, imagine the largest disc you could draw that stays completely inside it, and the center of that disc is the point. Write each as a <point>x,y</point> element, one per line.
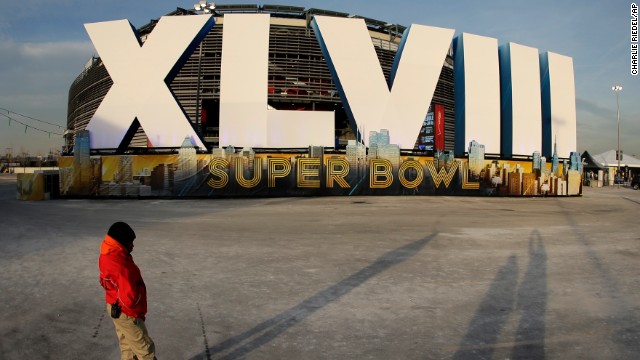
<point>121,279</point>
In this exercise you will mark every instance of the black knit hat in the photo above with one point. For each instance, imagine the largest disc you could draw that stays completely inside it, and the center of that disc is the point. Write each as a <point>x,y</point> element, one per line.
<point>122,233</point>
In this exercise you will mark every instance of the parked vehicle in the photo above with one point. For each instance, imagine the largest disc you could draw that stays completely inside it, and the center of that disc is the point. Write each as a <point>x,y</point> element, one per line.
<point>635,182</point>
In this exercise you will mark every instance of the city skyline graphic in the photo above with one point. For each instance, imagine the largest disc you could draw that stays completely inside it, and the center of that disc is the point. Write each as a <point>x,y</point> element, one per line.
<point>380,169</point>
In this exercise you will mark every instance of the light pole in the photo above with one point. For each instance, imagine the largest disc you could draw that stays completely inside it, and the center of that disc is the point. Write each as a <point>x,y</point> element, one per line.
<point>617,89</point>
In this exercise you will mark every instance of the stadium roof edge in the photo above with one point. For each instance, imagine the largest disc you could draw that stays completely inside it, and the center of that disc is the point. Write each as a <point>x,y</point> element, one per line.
<point>284,8</point>
<point>395,30</point>
<point>315,11</point>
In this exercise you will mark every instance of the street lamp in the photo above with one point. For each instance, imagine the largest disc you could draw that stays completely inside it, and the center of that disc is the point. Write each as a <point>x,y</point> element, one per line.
<point>617,89</point>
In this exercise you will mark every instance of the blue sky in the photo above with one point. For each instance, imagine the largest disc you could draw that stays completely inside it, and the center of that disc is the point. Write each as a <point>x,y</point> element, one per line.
<point>43,47</point>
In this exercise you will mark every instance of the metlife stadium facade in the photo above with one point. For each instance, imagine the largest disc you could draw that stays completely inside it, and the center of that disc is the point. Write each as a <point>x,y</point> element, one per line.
<point>285,101</point>
<point>299,77</point>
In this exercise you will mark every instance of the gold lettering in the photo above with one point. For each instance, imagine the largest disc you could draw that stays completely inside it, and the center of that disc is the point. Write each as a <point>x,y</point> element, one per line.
<point>466,185</point>
<point>338,175</point>
<point>257,173</point>
<point>278,168</point>
<point>308,167</point>
<point>411,164</point>
<point>380,168</point>
<point>442,175</point>
<point>217,167</point>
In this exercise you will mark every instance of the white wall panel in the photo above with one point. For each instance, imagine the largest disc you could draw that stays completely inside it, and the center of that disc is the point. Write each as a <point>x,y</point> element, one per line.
<point>480,92</point>
<point>243,80</point>
<point>560,99</point>
<point>521,98</point>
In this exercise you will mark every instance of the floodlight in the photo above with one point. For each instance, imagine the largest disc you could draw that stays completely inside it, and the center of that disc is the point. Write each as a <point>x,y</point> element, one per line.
<point>204,7</point>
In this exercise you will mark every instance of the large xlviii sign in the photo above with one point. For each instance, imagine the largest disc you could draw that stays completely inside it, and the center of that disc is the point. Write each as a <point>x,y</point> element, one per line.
<point>509,98</point>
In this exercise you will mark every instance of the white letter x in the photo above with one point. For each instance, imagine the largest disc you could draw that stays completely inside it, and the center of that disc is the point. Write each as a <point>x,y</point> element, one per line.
<point>140,75</point>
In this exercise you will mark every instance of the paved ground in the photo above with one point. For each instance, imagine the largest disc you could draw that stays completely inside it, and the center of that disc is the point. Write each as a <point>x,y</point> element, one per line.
<point>332,278</point>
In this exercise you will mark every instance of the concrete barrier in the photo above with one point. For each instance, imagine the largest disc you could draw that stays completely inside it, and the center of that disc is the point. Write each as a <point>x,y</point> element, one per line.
<point>30,186</point>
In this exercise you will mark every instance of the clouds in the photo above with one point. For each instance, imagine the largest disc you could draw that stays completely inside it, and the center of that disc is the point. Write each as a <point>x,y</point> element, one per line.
<point>598,127</point>
<point>53,50</point>
<point>42,60</point>
<point>592,108</point>
<point>35,80</point>
<point>35,69</point>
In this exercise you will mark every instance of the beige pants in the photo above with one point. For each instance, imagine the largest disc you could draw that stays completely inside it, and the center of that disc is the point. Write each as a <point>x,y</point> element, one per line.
<point>133,337</point>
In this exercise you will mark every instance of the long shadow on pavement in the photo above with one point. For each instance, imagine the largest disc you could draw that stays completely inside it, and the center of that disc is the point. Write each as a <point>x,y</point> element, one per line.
<point>504,299</point>
<point>268,330</point>
<point>532,303</point>
<point>623,314</point>
<point>492,314</point>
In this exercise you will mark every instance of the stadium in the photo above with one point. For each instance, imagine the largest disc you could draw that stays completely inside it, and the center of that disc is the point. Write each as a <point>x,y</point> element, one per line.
<point>299,78</point>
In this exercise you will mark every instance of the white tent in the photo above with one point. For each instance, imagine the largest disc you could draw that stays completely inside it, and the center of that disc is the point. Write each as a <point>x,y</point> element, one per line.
<point>608,159</point>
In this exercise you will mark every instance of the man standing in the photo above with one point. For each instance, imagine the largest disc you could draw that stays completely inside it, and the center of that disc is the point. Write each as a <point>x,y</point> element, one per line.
<point>126,294</point>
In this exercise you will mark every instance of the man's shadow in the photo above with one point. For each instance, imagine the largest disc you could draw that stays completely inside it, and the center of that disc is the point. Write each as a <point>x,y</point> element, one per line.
<point>505,299</point>
<point>261,334</point>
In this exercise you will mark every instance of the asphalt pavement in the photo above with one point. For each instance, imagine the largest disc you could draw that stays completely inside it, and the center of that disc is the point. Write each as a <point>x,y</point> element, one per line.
<point>385,277</point>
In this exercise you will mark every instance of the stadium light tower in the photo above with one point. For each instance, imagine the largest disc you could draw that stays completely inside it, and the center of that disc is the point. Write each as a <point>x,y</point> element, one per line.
<point>617,89</point>
<point>203,7</point>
